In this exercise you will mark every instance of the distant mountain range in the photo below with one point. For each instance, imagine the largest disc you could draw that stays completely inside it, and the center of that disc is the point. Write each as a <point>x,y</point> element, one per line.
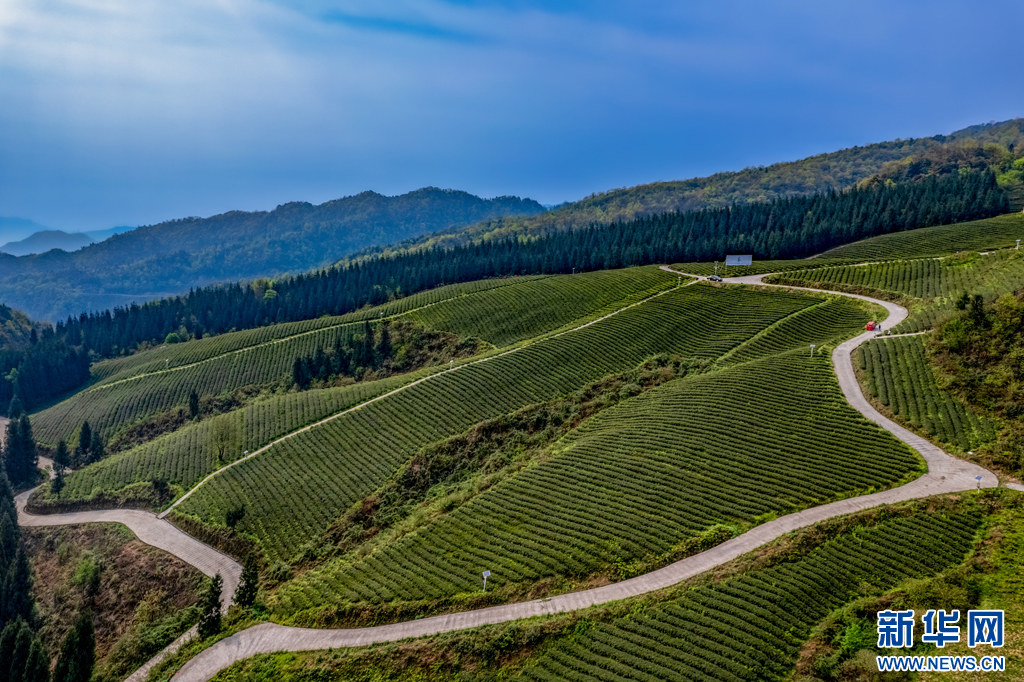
<point>41,242</point>
<point>46,239</point>
<point>169,258</point>
<point>15,229</point>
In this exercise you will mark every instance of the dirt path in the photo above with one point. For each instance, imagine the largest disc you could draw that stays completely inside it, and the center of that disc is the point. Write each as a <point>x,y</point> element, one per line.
<point>945,474</point>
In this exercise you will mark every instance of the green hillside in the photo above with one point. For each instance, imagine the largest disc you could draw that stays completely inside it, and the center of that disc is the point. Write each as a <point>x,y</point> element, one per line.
<point>138,387</point>
<point>751,627</point>
<point>805,605</point>
<point>930,286</point>
<point>898,374</point>
<point>172,356</point>
<point>687,321</point>
<point>980,235</point>
<point>632,485</point>
<point>15,328</point>
<point>896,159</point>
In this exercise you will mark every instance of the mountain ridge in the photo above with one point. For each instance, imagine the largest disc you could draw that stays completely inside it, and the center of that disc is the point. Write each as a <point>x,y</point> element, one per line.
<point>175,256</point>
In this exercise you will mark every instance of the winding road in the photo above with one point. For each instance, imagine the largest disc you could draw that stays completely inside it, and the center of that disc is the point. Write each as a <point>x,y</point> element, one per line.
<point>946,474</point>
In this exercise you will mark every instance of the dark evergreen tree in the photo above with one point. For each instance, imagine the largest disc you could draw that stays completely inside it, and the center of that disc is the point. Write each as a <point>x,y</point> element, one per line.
<point>384,343</point>
<point>15,410</point>
<point>8,543</point>
<point>367,347</point>
<point>249,584</point>
<point>193,404</point>
<point>97,449</point>
<point>61,462</point>
<point>29,452</point>
<point>85,438</point>
<point>17,589</point>
<point>8,635</point>
<point>210,605</point>
<point>22,646</point>
<point>77,654</point>
<point>37,668</point>
<point>299,374</point>
<point>12,459</point>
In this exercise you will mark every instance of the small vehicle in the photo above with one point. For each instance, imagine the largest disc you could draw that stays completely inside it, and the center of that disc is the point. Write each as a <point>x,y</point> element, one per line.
<point>714,278</point>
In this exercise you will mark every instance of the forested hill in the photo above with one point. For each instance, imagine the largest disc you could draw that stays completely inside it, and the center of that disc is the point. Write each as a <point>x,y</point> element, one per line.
<point>15,328</point>
<point>996,146</point>
<point>172,257</point>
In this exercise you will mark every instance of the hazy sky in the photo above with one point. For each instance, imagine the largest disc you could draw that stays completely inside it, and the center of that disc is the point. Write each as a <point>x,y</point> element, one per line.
<point>135,111</point>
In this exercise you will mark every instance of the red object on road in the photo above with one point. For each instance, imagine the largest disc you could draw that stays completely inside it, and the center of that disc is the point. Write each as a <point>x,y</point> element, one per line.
<point>871,326</point>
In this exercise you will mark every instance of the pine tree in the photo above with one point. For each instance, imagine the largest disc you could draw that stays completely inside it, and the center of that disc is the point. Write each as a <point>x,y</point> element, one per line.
<point>193,404</point>
<point>12,452</point>
<point>22,646</point>
<point>15,409</point>
<point>17,588</point>
<point>384,344</point>
<point>8,543</point>
<point>209,620</point>
<point>299,373</point>
<point>77,653</point>
<point>29,455</point>
<point>367,348</point>
<point>96,448</point>
<point>8,634</point>
<point>61,460</point>
<point>85,438</point>
<point>249,584</point>
<point>37,669</point>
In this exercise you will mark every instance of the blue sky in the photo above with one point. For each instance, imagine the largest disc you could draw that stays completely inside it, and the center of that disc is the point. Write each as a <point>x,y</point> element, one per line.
<point>118,112</point>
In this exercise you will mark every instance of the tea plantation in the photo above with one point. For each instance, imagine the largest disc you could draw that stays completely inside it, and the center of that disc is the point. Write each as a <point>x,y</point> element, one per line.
<point>769,436</point>
<point>307,481</point>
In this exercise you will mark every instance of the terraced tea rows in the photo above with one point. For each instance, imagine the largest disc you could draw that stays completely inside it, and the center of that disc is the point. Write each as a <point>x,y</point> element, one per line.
<point>298,487</point>
<point>634,482</point>
<point>978,235</point>
<point>898,374</point>
<point>838,317</point>
<point>751,627</point>
<point>186,456</point>
<point>112,407</point>
<point>510,314</point>
<point>136,392</point>
<point>177,355</point>
<point>928,278</point>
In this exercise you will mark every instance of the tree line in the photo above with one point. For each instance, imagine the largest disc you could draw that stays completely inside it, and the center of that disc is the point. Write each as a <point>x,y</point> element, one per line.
<point>344,360</point>
<point>41,370</point>
<point>780,229</point>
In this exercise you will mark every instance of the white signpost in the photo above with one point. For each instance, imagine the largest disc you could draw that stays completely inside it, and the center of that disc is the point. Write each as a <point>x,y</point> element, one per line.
<point>487,574</point>
<point>812,350</point>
